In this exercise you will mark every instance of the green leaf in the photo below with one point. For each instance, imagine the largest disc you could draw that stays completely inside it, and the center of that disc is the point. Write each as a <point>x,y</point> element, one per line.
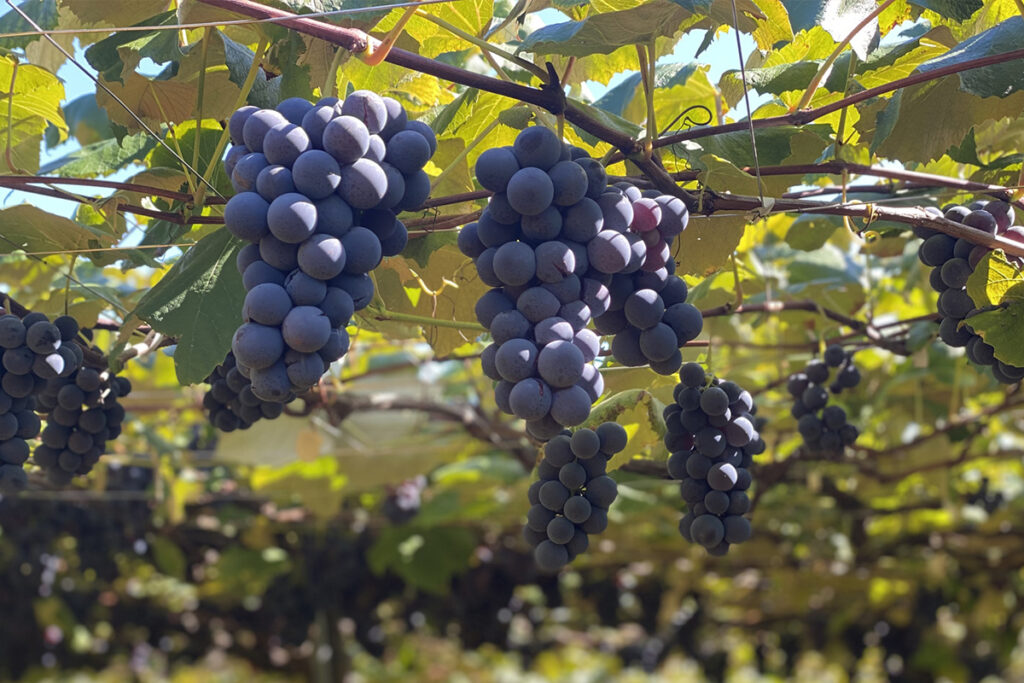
<point>43,12</point>
<point>995,280</point>
<point>774,145</point>
<point>808,233</point>
<point>445,117</point>
<point>708,241</point>
<point>199,301</point>
<point>960,10</point>
<point>611,120</point>
<point>107,57</point>
<point>607,32</point>
<point>101,158</point>
<point>85,120</point>
<point>839,18</point>
<point>616,99</point>
<point>423,558</point>
<point>967,151</point>
<point>116,12</point>
<point>897,127</point>
<point>32,229</point>
<point>996,80</point>
<point>238,58</point>
<point>168,557</point>
<point>1002,329</point>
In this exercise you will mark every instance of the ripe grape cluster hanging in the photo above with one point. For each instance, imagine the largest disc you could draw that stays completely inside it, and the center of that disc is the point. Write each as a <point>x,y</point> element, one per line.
<point>562,249</point>
<point>318,189</point>
<point>712,437</point>
<point>571,498</point>
<point>825,428</point>
<point>42,371</point>
<point>952,262</point>
<point>230,403</point>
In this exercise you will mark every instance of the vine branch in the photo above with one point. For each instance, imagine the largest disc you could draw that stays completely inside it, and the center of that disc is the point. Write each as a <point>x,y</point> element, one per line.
<point>803,116</point>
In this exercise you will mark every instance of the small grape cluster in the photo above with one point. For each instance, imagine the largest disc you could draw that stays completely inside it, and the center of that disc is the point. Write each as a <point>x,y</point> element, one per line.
<point>230,403</point>
<point>551,243</point>
<point>403,502</point>
<point>571,498</point>
<point>318,189</point>
<point>34,352</point>
<point>986,499</point>
<point>824,428</point>
<point>83,413</point>
<point>712,436</point>
<point>953,261</point>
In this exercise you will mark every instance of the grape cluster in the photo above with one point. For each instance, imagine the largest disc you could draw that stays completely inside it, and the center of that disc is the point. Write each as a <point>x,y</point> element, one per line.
<point>318,189</point>
<point>952,261</point>
<point>83,413</point>
<point>650,319</point>
<point>572,496</point>
<point>986,499</point>
<point>34,353</point>
<point>712,437</point>
<point>551,243</point>
<point>823,427</point>
<point>230,403</point>
<point>402,503</point>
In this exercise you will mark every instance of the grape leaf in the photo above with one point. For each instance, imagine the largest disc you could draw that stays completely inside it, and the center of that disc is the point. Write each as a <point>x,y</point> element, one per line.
<point>101,158</point>
<point>199,301</point>
<point>607,32</point>
<point>1002,329</point>
<point>839,18</point>
<point>666,76</point>
<point>996,80</point>
<point>32,229</point>
<point>43,12</point>
<point>995,280</point>
<point>238,58</point>
<point>808,233</point>
<point>960,10</point>
<point>895,131</point>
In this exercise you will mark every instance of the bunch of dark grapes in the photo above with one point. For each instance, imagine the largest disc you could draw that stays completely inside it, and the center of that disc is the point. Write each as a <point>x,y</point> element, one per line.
<point>712,437</point>
<point>986,499</point>
<point>648,314</point>
<point>531,245</point>
<point>550,243</point>
<point>83,413</point>
<point>825,428</point>
<point>572,496</point>
<point>319,186</point>
<point>35,352</point>
<point>952,261</point>
<point>403,502</point>
<point>230,403</point>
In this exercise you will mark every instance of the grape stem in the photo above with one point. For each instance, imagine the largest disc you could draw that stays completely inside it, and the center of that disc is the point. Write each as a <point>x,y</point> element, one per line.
<point>384,314</point>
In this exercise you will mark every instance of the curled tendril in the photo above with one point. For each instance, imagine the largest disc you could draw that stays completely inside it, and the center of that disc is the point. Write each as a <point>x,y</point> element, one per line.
<point>694,115</point>
<point>686,120</point>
